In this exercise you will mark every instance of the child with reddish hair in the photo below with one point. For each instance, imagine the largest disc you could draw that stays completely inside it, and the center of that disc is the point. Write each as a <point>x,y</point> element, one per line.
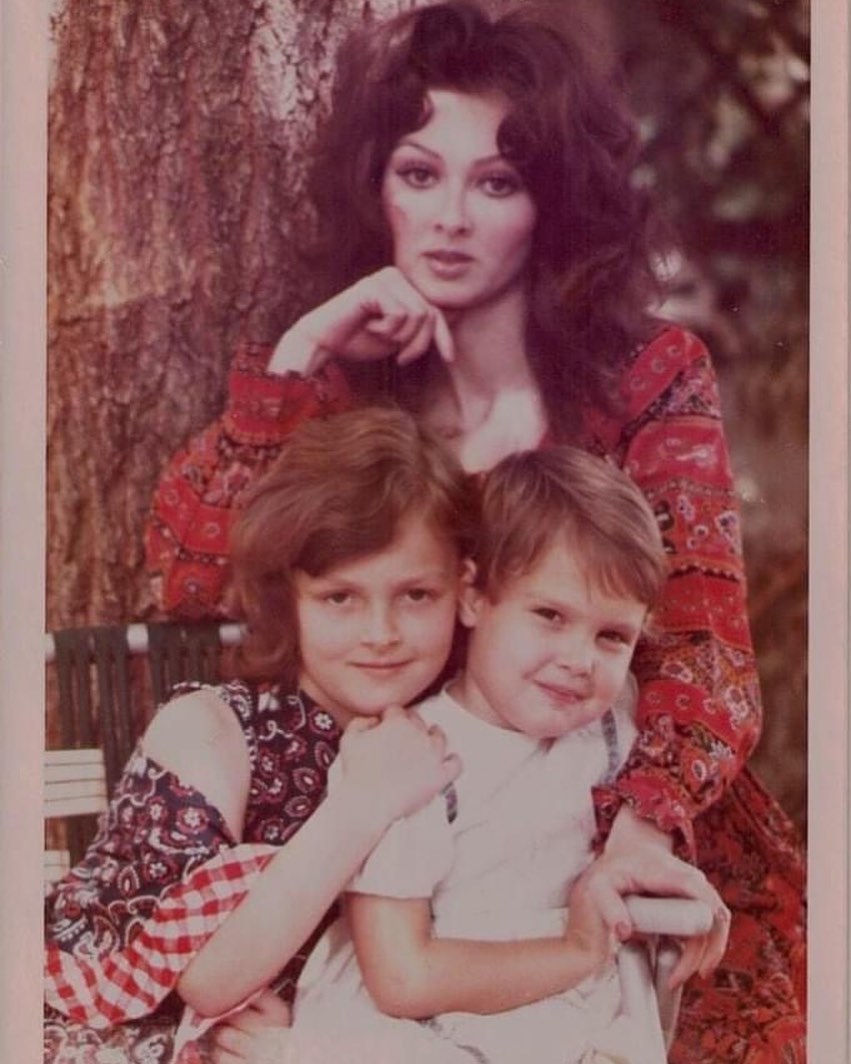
<point>217,864</point>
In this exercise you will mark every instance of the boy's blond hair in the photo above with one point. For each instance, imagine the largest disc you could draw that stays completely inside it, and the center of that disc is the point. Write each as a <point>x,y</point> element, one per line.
<point>531,499</point>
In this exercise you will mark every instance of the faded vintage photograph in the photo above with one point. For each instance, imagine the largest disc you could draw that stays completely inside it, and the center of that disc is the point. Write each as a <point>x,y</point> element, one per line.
<point>427,532</point>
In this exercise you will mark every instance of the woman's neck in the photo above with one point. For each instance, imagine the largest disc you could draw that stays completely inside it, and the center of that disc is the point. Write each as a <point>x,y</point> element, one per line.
<point>490,357</point>
<point>487,402</point>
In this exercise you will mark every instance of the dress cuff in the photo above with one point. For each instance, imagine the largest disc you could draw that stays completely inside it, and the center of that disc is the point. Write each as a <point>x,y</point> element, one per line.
<point>264,408</point>
<point>650,799</point>
<point>130,982</point>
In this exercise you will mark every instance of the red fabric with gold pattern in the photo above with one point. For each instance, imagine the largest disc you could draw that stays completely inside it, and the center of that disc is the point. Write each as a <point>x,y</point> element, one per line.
<point>186,540</point>
<point>699,711</point>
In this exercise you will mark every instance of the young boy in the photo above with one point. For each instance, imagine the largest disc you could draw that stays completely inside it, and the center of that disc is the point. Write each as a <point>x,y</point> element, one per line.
<point>568,563</point>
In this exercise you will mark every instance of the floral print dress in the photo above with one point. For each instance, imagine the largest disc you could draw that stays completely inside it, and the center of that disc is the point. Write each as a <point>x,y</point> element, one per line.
<point>160,877</point>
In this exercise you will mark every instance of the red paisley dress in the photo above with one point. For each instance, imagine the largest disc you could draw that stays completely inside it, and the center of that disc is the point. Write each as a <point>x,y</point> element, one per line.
<point>699,709</point>
<point>160,877</point>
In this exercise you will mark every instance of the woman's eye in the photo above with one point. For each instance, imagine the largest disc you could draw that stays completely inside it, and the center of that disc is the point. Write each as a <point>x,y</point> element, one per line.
<point>499,185</point>
<point>416,176</point>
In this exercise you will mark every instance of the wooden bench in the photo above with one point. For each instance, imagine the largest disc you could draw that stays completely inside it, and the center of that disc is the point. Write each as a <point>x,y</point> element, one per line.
<point>105,684</point>
<point>74,785</point>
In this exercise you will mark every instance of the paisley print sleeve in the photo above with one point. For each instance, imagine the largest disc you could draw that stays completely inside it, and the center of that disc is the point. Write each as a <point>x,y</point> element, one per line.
<point>186,537</point>
<point>699,710</point>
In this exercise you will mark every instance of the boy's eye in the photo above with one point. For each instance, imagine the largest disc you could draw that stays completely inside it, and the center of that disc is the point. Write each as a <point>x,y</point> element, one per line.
<point>419,594</point>
<point>615,638</point>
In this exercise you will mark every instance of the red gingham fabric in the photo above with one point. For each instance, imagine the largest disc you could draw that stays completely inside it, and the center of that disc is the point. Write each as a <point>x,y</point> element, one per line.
<point>130,983</point>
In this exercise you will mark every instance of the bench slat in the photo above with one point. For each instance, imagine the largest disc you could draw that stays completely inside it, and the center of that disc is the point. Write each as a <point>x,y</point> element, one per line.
<point>73,757</point>
<point>75,806</point>
<point>89,771</point>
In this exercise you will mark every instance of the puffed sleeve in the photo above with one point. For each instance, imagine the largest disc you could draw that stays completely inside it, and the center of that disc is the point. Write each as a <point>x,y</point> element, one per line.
<point>699,712</point>
<point>162,875</point>
<point>186,537</point>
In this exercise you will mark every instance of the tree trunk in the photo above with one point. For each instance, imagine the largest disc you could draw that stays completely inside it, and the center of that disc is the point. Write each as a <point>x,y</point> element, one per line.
<point>176,202</point>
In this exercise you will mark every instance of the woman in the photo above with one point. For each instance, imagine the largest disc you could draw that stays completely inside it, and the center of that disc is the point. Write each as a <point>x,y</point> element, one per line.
<point>489,263</point>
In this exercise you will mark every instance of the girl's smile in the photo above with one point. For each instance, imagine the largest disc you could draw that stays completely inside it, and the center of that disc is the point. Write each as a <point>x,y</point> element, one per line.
<point>376,631</point>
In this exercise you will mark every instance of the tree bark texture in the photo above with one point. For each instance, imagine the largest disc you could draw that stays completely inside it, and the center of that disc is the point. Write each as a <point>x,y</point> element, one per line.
<point>178,134</point>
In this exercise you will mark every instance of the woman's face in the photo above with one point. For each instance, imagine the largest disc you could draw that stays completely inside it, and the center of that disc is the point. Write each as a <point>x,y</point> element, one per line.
<point>459,213</point>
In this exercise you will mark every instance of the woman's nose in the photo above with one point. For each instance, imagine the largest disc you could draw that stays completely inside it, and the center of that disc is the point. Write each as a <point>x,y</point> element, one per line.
<point>453,213</point>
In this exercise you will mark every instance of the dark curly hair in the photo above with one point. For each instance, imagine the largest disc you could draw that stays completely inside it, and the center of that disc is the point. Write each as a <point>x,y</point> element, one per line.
<point>570,136</point>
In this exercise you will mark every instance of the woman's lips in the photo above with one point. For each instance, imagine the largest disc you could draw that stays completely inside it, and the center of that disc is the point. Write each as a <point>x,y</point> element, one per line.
<point>448,264</point>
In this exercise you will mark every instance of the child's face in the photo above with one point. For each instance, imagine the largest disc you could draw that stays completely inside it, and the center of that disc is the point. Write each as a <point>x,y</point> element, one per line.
<point>551,653</point>
<point>376,631</point>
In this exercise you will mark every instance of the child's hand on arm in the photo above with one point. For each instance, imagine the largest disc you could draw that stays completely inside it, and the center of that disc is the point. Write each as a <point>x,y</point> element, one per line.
<point>392,767</point>
<point>389,768</point>
<point>256,1035</point>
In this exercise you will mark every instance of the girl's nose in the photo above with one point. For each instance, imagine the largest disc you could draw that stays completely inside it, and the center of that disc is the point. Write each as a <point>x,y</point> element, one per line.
<point>380,629</point>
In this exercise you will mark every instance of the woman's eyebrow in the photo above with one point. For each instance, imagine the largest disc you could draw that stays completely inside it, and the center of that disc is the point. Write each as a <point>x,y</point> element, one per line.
<point>487,160</point>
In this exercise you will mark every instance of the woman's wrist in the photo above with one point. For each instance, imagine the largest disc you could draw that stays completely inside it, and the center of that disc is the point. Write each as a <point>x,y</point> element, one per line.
<point>629,830</point>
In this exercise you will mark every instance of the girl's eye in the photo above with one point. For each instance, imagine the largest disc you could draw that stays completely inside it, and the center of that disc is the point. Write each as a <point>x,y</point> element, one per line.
<point>338,598</point>
<point>500,185</point>
<point>416,176</point>
<point>547,614</point>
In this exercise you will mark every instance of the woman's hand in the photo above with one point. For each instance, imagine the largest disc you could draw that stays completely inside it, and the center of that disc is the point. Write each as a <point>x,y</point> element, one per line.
<point>396,764</point>
<point>256,1035</point>
<point>378,316</point>
<point>637,860</point>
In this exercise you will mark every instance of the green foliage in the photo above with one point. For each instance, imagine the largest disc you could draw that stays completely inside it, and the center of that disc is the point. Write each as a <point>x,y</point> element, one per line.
<point>722,91</point>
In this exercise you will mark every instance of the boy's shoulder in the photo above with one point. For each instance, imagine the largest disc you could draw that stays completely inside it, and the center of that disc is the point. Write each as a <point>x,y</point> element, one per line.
<point>436,709</point>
